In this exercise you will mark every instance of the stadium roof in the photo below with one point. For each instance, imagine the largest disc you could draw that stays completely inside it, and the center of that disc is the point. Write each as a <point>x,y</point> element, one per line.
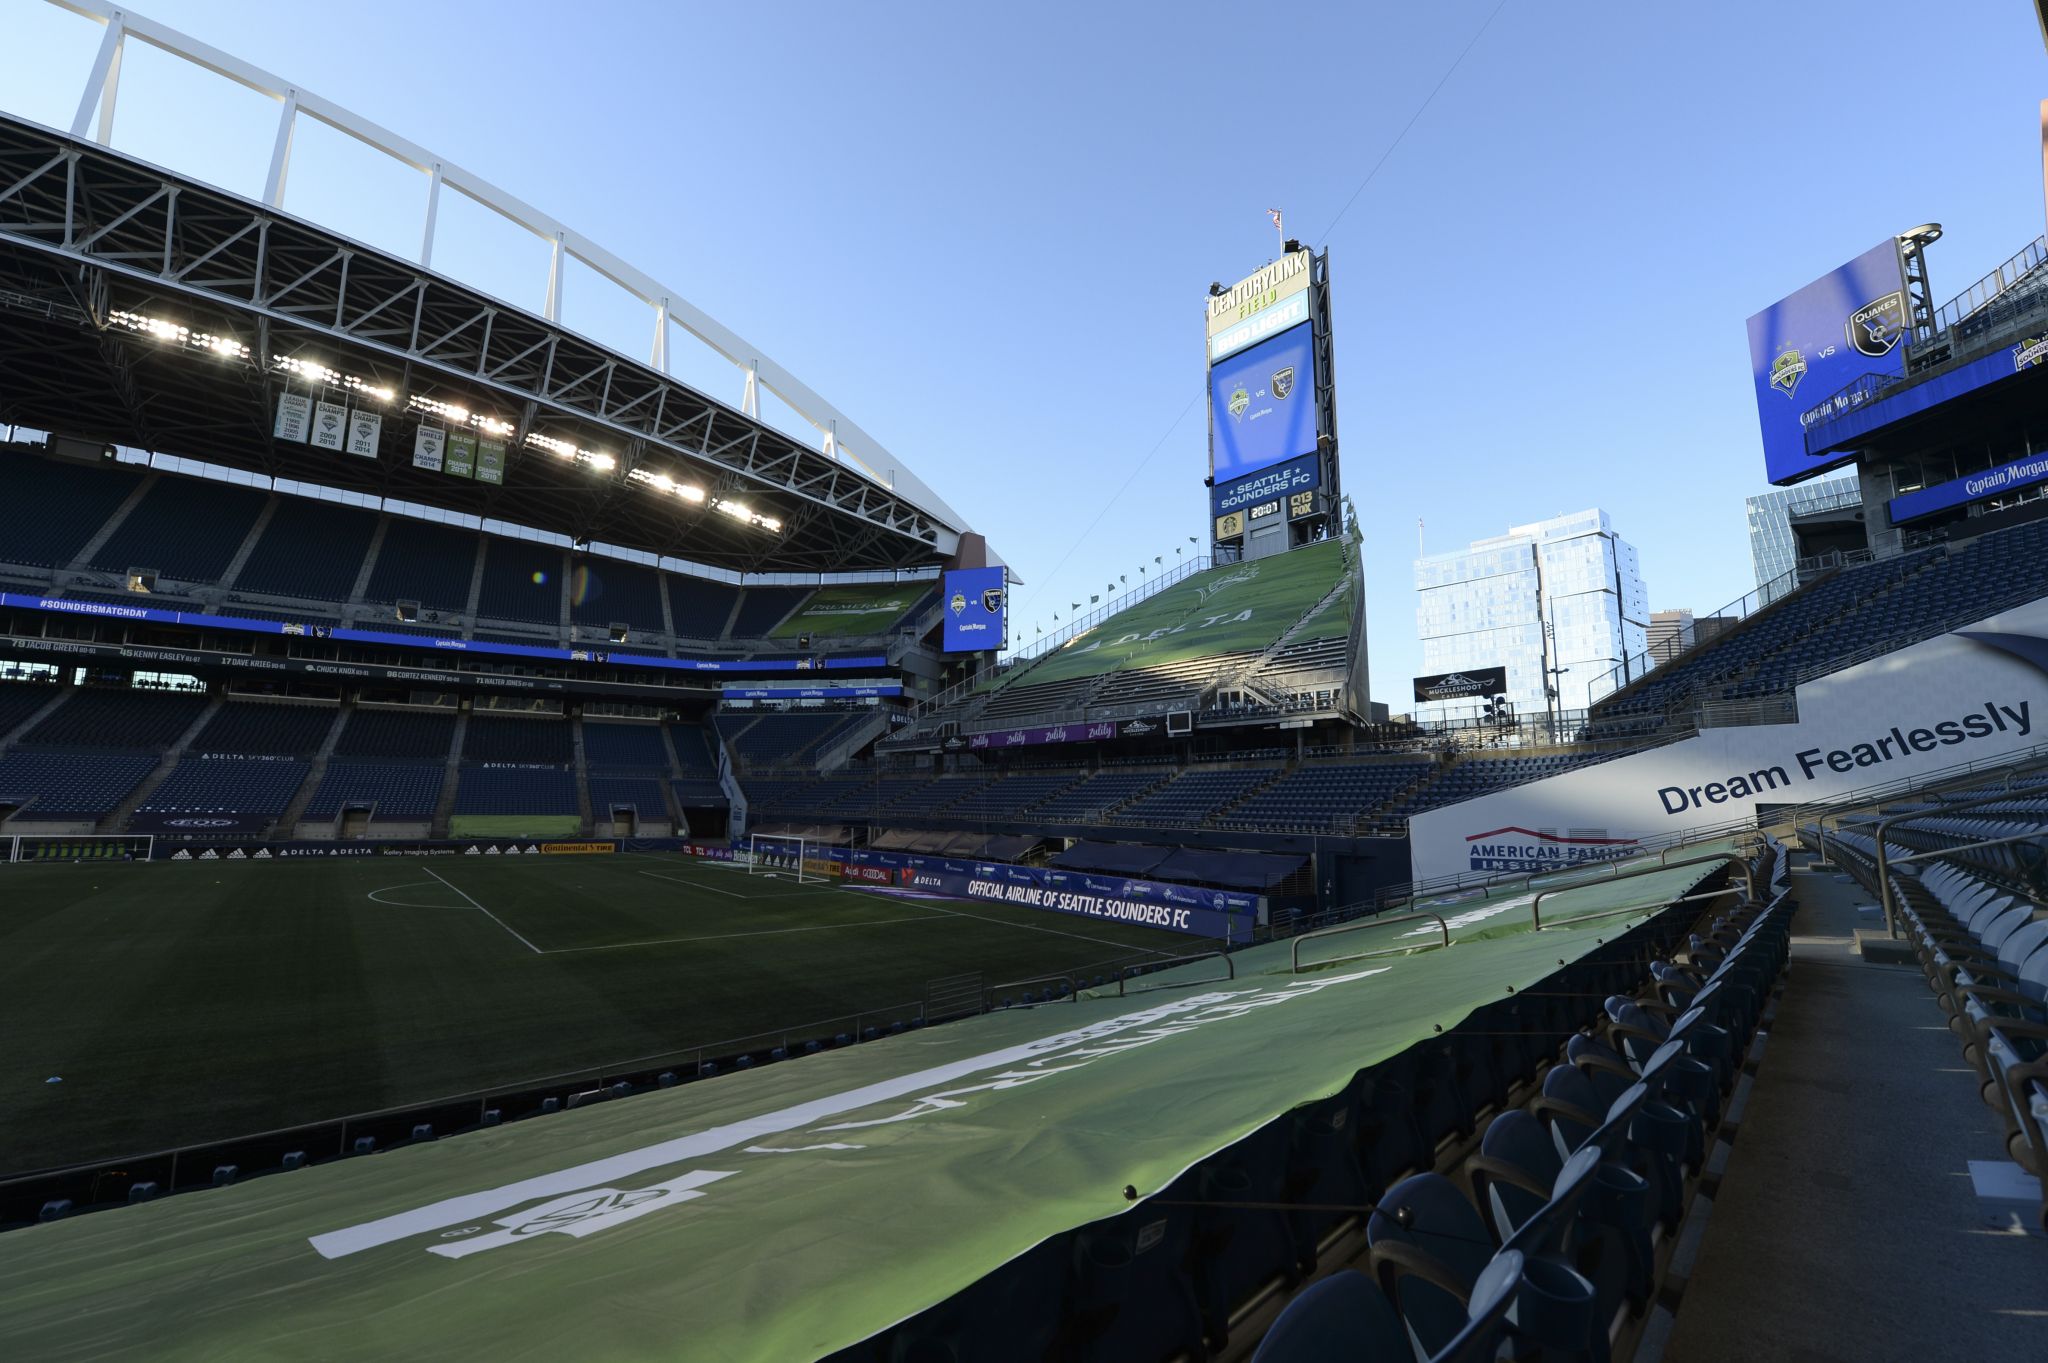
<point>147,308</point>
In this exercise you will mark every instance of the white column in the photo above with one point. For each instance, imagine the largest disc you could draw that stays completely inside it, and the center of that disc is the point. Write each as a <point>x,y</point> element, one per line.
<point>102,84</point>
<point>281,151</point>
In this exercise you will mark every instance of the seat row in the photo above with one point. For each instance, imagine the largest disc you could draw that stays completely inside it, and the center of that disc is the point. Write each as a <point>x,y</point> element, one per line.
<point>1981,939</point>
<point>1592,1099</point>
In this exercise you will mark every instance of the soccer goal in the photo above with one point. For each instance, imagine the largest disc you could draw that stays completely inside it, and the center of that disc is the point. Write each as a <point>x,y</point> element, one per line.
<point>772,854</point>
<point>84,847</point>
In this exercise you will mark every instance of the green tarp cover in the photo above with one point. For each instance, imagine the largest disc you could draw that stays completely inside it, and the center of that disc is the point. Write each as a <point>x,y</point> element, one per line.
<point>776,1214</point>
<point>857,608</point>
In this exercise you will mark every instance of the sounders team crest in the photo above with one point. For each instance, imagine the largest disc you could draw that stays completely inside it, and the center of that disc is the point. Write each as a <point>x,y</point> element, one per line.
<point>958,603</point>
<point>1787,370</point>
<point>1240,402</point>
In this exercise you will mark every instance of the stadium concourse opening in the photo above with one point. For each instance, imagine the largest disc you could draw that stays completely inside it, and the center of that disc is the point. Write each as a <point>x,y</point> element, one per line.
<point>618,844</point>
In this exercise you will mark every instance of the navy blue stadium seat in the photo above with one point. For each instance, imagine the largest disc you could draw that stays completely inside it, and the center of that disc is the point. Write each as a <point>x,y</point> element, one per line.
<point>1343,1316</point>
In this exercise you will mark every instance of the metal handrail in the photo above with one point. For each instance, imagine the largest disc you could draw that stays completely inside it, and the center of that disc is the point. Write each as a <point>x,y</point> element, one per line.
<point>1295,950</point>
<point>1736,859</point>
<point>1152,967</point>
<point>1073,988</point>
<point>1884,863</point>
<point>1646,906</point>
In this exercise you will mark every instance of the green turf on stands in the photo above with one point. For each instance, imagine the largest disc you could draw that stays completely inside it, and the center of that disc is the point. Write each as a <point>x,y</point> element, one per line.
<point>853,608</point>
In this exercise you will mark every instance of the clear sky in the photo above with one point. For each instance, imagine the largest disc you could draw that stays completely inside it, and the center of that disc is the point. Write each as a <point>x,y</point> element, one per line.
<point>986,231</point>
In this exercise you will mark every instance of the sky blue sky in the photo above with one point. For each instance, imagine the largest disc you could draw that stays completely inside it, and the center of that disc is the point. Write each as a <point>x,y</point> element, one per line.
<point>986,231</point>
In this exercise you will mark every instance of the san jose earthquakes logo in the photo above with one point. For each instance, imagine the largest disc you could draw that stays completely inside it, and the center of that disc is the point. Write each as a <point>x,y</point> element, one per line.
<point>1787,370</point>
<point>992,599</point>
<point>1283,381</point>
<point>1876,328</point>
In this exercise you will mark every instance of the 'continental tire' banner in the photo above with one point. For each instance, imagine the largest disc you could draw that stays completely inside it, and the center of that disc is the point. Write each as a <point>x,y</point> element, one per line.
<point>1977,695</point>
<point>577,849</point>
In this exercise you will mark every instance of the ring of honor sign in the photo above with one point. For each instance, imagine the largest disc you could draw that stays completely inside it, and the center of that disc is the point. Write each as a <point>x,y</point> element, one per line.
<point>1272,408</point>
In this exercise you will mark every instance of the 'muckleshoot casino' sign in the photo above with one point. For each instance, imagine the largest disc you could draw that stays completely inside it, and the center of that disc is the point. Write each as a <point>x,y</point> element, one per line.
<point>1976,694</point>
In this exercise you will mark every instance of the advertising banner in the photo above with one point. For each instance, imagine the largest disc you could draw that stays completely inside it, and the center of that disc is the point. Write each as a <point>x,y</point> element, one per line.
<point>1805,348</point>
<point>330,425</point>
<point>363,430</point>
<point>1976,695</point>
<point>294,416</point>
<point>1034,735</point>
<point>2007,477</point>
<point>490,461</point>
<point>1216,914</point>
<point>1257,293</point>
<point>1478,682</point>
<point>427,444</point>
<point>1262,406</point>
<point>460,459</point>
<point>975,600</point>
<point>1285,480</point>
<point>735,691</point>
<point>1880,401</point>
<point>199,825</point>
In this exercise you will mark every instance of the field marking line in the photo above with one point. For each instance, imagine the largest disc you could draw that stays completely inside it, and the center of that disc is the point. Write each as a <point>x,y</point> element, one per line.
<point>1037,927</point>
<point>484,911</point>
<point>695,886</point>
<point>375,896</point>
<point>728,936</point>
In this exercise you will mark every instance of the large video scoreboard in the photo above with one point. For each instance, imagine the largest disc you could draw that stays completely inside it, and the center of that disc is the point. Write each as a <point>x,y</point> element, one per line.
<point>1272,408</point>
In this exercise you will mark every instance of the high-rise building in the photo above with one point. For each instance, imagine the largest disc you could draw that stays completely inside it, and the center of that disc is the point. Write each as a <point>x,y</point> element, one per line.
<point>1670,633</point>
<point>1561,601</point>
<point>1773,548</point>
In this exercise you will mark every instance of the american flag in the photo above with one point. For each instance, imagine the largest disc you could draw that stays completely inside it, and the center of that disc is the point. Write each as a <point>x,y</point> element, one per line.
<point>1274,214</point>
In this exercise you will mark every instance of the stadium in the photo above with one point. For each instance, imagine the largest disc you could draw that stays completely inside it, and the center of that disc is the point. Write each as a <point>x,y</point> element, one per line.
<point>511,853</point>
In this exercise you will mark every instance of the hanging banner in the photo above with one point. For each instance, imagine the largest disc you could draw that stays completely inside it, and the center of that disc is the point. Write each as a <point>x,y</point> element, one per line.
<point>490,461</point>
<point>426,448</point>
<point>294,415</point>
<point>330,425</point>
<point>363,430</point>
<point>461,454</point>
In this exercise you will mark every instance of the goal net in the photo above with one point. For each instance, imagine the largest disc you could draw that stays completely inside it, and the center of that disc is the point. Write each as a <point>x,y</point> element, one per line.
<point>84,847</point>
<point>770,854</point>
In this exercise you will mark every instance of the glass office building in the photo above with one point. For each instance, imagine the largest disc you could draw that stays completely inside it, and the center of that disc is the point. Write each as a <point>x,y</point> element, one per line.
<point>1562,598</point>
<point>1772,546</point>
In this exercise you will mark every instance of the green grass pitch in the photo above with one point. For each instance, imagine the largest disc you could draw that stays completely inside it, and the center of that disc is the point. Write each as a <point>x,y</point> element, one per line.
<point>201,1001</point>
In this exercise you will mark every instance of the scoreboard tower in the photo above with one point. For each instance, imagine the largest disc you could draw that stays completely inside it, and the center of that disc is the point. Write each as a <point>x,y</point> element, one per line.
<point>1273,483</point>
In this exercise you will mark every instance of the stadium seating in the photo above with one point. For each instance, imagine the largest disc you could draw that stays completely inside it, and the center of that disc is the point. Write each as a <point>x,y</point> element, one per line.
<point>1327,798</point>
<point>762,608</point>
<point>515,790</point>
<point>1971,919</point>
<point>309,548</point>
<point>692,743</point>
<point>423,561</point>
<point>1190,798</point>
<point>1094,796</point>
<point>501,738</point>
<point>59,785</point>
<point>163,531</point>
<point>1469,778</point>
<point>604,590</point>
<point>116,720</point>
<point>1009,797</point>
<point>410,735</point>
<point>265,728</point>
<point>50,508</point>
<point>623,747</point>
<point>19,700</point>
<point>641,792</point>
<point>786,739</point>
<point>227,785</point>
<point>1176,641</point>
<point>699,607</point>
<point>397,790</point>
<point>522,581</point>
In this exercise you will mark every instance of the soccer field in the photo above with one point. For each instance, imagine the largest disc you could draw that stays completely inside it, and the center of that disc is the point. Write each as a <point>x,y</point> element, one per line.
<point>195,1002</point>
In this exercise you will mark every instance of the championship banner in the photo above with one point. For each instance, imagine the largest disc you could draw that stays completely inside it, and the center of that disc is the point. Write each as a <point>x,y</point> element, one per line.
<point>363,430</point>
<point>490,461</point>
<point>461,454</point>
<point>294,416</point>
<point>427,444</point>
<point>330,425</point>
<point>1482,682</point>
